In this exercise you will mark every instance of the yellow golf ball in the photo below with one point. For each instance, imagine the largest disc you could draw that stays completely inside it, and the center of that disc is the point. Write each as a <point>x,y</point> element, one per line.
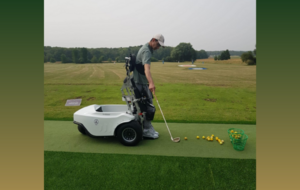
<point>203,137</point>
<point>198,137</point>
<point>185,138</point>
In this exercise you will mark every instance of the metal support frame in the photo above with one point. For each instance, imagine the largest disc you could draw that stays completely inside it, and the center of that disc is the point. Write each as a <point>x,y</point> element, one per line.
<point>129,96</point>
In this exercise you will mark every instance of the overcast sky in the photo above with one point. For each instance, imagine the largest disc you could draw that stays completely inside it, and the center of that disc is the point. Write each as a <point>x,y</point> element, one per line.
<point>206,24</point>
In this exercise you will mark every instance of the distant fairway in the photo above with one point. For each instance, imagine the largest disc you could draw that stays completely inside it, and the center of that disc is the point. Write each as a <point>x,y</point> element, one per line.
<point>224,93</point>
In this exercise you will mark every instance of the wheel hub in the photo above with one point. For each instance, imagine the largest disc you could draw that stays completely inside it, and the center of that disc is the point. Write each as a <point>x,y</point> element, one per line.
<point>129,134</point>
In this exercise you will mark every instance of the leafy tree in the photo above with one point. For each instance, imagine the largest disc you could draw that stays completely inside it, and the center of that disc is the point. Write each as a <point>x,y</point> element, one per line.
<point>52,60</point>
<point>94,59</point>
<point>75,55</point>
<point>64,58</point>
<point>100,59</point>
<point>223,56</point>
<point>202,54</point>
<point>83,55</point>
<point>227,54</point>
<point>184,52</point>
<point>117,59</point>
<point>80,60</point>
<point>247,56</point>
<point>216,57</point>
<point>109,60</point>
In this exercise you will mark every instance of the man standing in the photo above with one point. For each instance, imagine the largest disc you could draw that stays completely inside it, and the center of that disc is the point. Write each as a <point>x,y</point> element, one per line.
<point>143,80</point>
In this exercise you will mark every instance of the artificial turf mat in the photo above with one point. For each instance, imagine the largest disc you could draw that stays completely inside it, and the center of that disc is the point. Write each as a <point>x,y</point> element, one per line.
<point>67,170</point>
<point>64,136</point>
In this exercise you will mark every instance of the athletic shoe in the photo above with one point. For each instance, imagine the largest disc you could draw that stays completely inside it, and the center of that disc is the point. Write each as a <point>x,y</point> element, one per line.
<point>149,134</point>
<point>153,130</point>
<point>148,125</point>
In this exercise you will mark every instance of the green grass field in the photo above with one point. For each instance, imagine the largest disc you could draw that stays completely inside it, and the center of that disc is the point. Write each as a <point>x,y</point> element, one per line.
<point>225,93</point>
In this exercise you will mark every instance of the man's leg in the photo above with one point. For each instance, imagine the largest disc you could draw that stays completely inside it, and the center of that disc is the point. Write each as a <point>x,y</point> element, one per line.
<point>148,122</point>
<point>148,128</point>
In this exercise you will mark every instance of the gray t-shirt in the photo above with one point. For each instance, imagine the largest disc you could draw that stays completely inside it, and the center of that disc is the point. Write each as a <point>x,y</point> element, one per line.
<point>143,57</point>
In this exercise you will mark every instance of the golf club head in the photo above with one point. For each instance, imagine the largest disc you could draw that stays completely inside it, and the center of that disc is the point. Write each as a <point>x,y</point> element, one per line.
<point>176,139</point>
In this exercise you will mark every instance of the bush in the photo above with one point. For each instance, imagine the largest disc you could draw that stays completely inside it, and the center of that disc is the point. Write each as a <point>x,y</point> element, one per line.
<point>169,59</point>
<point>250,62</point>
<point>100,59</point>
<point>64,59</point>
<point>94,59</point>
<point>153,59</point>
<point>109,60</point>
<point>52,60</point>
<point>248,58</point>
<point>80,60</point>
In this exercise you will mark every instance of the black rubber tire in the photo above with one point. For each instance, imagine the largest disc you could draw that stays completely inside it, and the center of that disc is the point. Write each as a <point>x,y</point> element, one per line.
<point>81,130</point>
<point>130,134</point>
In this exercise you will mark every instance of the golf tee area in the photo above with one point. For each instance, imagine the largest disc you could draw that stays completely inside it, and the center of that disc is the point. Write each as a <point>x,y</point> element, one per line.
<point>194,102</point>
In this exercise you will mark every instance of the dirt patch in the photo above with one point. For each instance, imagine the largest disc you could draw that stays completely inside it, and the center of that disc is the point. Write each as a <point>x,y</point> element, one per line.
<point>210,100</point>
<point>78,97</point>
<point>91,98</point>
<point>218,85</point>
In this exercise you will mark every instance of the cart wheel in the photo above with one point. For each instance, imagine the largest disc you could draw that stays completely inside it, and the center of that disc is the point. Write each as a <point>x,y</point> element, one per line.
<point>130,134</point>
<point>81,129</point>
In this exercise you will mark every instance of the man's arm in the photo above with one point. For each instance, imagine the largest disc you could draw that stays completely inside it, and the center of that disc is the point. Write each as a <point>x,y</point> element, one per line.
<point>149,78</point>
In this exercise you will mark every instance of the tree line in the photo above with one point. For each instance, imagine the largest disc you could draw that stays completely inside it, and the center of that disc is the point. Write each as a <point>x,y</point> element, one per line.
<point>182,52</point>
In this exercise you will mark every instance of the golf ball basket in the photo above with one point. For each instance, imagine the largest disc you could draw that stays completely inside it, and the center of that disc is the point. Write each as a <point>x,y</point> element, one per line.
<point>238,138</point>
<point>239,144</point>
<point>126,122</point>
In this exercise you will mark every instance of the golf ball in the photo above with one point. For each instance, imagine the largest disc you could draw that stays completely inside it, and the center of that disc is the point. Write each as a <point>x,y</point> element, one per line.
<point>198,137</point>
<point>203,137</point>
<point>185,138</point>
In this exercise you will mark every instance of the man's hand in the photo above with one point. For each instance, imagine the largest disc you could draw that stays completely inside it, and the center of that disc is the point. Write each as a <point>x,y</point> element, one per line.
<point>152,88</point>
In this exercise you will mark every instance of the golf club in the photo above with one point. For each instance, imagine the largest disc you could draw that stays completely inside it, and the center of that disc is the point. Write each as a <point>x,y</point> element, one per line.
<point>176,139</point>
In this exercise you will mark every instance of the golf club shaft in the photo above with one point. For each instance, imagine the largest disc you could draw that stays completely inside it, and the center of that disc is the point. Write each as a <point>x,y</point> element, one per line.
<point>163,117</point>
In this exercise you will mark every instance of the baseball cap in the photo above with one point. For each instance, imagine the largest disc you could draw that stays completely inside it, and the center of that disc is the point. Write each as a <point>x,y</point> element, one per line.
<point>160,39</point>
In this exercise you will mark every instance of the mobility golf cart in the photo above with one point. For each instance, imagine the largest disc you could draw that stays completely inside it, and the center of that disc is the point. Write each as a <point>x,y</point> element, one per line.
<point>123,121</point>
